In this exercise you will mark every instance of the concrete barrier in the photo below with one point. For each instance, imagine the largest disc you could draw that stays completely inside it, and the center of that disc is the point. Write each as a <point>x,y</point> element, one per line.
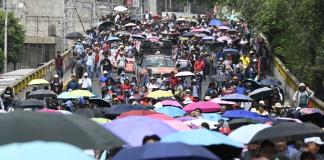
<point>47,71</point>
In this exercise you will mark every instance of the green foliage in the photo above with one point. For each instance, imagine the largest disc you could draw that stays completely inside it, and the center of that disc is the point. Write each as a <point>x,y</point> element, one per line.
<point>16,37</point>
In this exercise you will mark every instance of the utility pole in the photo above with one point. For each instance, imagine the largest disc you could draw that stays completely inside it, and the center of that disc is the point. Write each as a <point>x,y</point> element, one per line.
<point>5,52</point>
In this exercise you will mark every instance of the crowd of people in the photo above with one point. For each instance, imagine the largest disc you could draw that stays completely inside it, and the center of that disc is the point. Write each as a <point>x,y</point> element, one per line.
<point>227,56</point>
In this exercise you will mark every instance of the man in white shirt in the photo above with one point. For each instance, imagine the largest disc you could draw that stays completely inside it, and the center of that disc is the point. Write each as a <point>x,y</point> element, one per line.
<point>85,82</point>
<point>90,63</point>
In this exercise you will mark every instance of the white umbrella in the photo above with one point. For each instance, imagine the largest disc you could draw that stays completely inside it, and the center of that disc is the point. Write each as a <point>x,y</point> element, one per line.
<point>120,8</point>
<point>181,19</point>
<point>219,101</point>
<point>184,73</point>
<point>130,25</point>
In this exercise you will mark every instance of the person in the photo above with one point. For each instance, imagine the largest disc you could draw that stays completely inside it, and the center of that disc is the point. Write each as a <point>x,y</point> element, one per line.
<point>72,84</point>
<point>199,66</point>
<point>302,96</point>
<point>85,82</point>
<point>78,48</point>
<point>174,81</point>
<point>7,98</point>
<point>313,146</point>
<point>56,84</point>
<point>307,156</point>
<point>245,60</point>
<point>121,63</point>
<point>77,66</point>
<point>151,139</point>
<point>59,64</point>
<point>106,64</point>
<point>262,111</point>
<point>90,63</point>
<point>152,84</point>
<point>267,149</point>
<point>284,150</point>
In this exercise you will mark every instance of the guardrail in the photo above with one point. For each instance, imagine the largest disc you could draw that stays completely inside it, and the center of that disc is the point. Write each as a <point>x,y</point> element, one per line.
<point>47,71</point>
<point>292,81</point>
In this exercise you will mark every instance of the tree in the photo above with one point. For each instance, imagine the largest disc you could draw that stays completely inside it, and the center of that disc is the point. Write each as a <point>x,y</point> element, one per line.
<point>16,37</point>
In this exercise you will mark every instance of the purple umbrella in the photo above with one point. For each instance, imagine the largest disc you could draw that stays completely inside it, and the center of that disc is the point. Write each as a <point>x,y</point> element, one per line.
<point>133,129</point>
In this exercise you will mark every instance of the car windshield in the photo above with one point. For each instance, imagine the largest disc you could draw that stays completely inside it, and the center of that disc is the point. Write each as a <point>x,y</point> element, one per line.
<point>158,62</point>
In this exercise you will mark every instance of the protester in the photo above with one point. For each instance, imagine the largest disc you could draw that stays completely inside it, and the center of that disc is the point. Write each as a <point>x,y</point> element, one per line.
<point>59,64</point>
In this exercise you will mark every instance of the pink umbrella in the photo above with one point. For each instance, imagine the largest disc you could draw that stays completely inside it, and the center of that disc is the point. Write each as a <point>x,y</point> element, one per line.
<point>224,38</point>
<point>305,111</point>
<point>154,39</point>
<point>46,110</point>
<point>204,106</point>
<point>171,103</point>
<point>198,30</point>
<point>160,116</point>
<point>177,125</point>
<point>219,101</point>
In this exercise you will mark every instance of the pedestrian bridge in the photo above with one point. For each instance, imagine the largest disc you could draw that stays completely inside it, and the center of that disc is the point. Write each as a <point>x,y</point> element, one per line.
<point>19,80</point>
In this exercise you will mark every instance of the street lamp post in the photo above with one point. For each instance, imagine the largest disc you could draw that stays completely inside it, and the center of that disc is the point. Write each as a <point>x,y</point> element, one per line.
<point>5,51</point>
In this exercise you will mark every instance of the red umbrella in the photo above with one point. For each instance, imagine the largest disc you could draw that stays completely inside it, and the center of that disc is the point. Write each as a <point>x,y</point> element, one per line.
<point>137,113</point>
<point>156,16</point>
<point>160,116</point>
<point>203,106</point>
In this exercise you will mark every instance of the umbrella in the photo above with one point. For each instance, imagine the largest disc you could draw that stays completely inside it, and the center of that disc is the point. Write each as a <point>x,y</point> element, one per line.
<point>223,38</point>
<point>159,94</point>
<point>223,28</point>
<point>230,50</point>
<point>220,78</point>
<point>130,25</point>
<point>315,118</point>
<point>171,103</point>
<point>185,118</point>
<point>71,129</point>
<point>245,133</point>
<point>123,33</point>
<point>270,82</point>
<point>254,84</point>
<point>74,36</point>
<point>137,36</point>
<point>180,19</point>
<point>184,74</point>
<point>175,33</point>
<point>154,39</point>
<point>121,108</point>
<point>38,82</point>
<point>86,112</point>
<point>188,34</point>
<point>66,95</point>
<point>29,103</point>
<point>208,38</point>
<point>101,120</point>
<point>39,150</point>
<point>137,113</point>
<point>261,93</point>
<point>120,9</point>
<point>288,131</point>
<point>221,144</point>
<point>165,151</point>
<point>204,106</point>
<point>97,102</point>
<point>241,113</point>
<point>171,111</point>
<point>236,123</point>
<point>177,125</point>
<point>105,24</point>
<point>219,101</point>
<point>196,123</point>
<point>160,116</point>
<point>47,110</point>
<point>134,128</point>
<point>41,94</point>
<point>236,98</point>
<point>305,111</point>
<point>113,39</point>
<point>200,35</point>
<point>215,22</point>
<point>213,117</point>
<point>156,16</point>
<point>80,93</point>
<point>231,31</point>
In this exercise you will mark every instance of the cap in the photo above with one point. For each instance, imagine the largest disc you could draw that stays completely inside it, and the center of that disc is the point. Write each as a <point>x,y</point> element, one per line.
<point>122,72</point>
<point>316,140</point>
<point>187,90</point>
<point>207,98</point>
<point>187,101</point>
<point>278,105</point>
<point>302,85</point>
<point>105,72</point>
<point>262,102</point>
<point>85,74</point>
<point>131,97</point>
<point>235,77</point>
<point>133,83</point>
<point>56,76</point>
<point>152,78</point>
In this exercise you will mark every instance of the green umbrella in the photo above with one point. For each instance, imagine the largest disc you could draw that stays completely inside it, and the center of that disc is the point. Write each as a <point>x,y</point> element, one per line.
<point>29,126</point>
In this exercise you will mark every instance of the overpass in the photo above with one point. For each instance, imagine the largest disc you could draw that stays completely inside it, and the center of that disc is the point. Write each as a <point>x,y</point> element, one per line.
<point>47,71</point>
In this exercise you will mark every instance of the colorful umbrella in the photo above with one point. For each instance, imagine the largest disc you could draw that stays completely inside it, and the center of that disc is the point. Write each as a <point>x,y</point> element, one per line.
<point>230,50</point>
<point>177,125</point>
<point>219,101</point>
<point>38,82</point>
<point>184,74</point>
<point>101,120</point>
<point>66,95</point>
<point>137,113</point>
<point>261,93</point>
<point>223,28</point>
<point>241,113</point>
<point>165,151</point>
<point>160,116</point>
<point>38,150</point>
<point>213,117</point>
<point>245,133</point>
<point>134,128</point>
<point>204,106</point>
<point>224,38</point>
<point>305,111</point>
<point>215,22</point>
<point>171,103</point>
<point>121,108</point>
<point>171,111</point>
<point>197,123</point>
<point>46,110</point>
<point>236,98</point>
<point>80,93</point>
<point>208,38</point>
<point>159,94</point>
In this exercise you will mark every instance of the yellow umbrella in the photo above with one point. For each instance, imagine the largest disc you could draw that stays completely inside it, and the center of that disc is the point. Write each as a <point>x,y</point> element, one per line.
<point>37,82</point>
<point>101,120</point>
<point>160,94</point>
<point>80,93</point>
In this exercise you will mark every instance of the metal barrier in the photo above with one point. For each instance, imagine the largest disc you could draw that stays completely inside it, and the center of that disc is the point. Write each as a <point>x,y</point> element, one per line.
<point>47,71</point>
<point>292,81</point>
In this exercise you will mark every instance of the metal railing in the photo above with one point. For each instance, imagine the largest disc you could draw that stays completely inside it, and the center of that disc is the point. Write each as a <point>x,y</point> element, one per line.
<point>47,71</point>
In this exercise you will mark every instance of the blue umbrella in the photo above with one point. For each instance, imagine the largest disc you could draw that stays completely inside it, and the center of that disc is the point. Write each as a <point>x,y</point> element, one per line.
<point>270,82</point>
<point>113,39</point>
<point>215,22</point>
<point>188,34</point>
<point>241,113</point>
<point>39,150</point>
<point>165,151</point>
<point>121,108</point>
<point>171,111</point>
<point>213,117</point>
<point>245,133</point>
<point>236,98</point>
<point>230,50</point>
<point>133,129</point>
<point>217,142</point>
<point>208,38</point>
